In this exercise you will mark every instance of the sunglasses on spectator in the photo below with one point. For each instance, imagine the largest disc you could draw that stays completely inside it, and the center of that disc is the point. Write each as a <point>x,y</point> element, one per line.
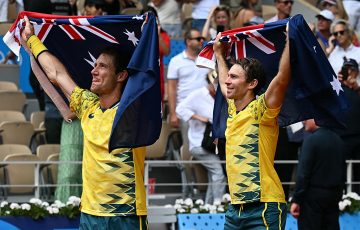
<point>286,2</point>
<point>199,39</point>
<point>341,32</point>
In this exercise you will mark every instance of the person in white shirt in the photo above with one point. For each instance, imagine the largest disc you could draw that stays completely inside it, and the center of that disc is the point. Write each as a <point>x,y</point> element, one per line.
<point>183,75</point>
<point>283,8</point>
<point>200,12</point>
<point>4,10</point>
<point>183,78</point>
<point>197,110</point>
<point>344,47</point>
<point>169,16</point>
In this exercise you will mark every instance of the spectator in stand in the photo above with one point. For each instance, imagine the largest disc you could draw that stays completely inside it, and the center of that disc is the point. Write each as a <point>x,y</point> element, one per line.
<point>351,135</point>
<point>352,8</point>
<point>200,12</point>
<point>4,4</point>
<point>112,7</point>
<point>336,7</point>
<point>320,179</point>
<point>73,10</point>
<point>197,110</point>
<point>94,7</point>
<point>324,20</point>
<point>246,14</point>
<point>343,46</point>
<point>283,8</point>
<point>184,77</point>
<point>169,16</point>
<point>131,4</point>
<point>217,21</point>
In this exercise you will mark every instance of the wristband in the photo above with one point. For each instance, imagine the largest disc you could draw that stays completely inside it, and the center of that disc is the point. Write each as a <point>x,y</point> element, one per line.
<point>36,46</point>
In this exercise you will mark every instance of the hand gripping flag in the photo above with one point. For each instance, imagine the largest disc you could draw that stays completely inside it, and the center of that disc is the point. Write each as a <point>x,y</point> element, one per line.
<point>77,41</point>
<point>314,90</point>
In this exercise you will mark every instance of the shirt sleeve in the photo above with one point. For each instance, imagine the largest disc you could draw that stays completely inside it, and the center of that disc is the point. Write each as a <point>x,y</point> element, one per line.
<point>80,100</point>
<point>262,113</point>
<point>185,109</point>
<point>172,73</point>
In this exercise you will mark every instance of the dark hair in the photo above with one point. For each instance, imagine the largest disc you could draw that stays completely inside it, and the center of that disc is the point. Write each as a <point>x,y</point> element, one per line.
<point>151,9</point>
<point>99,4</point>
<point>253,70</point>
<point>224,8</point>
<point>187,33</point>
<point>120,59</point>
<point>246,4</point>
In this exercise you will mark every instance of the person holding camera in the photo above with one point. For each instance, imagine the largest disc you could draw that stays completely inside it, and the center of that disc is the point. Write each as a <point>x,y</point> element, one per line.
<point>217,21</point>
<point>342,47</point>
<point>349,77</point>
<point>349,74</point>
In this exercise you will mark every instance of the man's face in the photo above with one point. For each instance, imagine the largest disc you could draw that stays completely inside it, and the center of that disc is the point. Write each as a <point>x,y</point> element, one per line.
<point>104,76</point>
<point>284,6</point>
<point>342,35</point>
<point>323,24</point>
<point>92,11</point>
<point>236,85</point>
<point>195,41</point>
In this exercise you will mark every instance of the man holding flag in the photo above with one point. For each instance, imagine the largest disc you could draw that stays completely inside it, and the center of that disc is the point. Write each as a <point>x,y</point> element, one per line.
<point>257,196</point>
<point>113,184</point>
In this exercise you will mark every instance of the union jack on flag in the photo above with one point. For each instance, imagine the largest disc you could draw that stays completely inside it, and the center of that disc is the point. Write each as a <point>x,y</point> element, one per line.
<point>77,41</point>
<point>314,90</point>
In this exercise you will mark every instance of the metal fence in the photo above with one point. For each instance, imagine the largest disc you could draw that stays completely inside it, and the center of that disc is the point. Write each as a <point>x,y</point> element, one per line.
<point>181,164</point>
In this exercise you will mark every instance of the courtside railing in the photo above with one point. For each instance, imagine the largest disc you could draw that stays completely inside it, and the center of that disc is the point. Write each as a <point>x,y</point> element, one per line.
<point>180,164</point>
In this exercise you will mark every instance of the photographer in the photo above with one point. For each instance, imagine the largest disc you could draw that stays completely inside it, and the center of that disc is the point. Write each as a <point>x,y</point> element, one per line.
<point>349,76</point>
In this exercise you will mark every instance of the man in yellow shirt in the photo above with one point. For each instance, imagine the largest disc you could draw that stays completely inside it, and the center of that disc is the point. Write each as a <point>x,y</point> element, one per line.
<point>113,183</point>
<point>257,197</point>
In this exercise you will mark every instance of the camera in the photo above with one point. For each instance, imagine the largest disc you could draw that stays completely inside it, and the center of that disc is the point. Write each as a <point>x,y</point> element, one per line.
<point>220,28</point>
<point>344,72</point>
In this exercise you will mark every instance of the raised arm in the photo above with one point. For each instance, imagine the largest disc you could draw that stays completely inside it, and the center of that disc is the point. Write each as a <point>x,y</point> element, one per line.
<point>205,31</point>
<point>219,50</point>
<point>53,68</point>
<point>275,94</point>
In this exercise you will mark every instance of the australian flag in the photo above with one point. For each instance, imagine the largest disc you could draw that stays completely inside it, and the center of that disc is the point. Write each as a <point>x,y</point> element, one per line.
<point>314,90</point>
<point>77,42</point>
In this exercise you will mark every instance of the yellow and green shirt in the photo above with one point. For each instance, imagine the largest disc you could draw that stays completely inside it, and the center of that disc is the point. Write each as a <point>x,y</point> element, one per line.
<point>113,183</point>
<point>251,138</point>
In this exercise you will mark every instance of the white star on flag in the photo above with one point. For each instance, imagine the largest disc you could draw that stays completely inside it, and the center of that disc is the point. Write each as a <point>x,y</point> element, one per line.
<point>336,85</point>
<point>131,37</point>
<point>93,60</point>
<point>138,17</point>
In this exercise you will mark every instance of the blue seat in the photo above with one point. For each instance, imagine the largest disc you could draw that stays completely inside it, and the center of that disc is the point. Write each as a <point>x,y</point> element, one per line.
<point>176,47</point>
<point>201,221</point>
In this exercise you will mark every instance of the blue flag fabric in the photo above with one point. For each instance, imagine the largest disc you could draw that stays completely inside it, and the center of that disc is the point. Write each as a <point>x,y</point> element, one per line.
<point>77,42</point>
<point>314,90</point>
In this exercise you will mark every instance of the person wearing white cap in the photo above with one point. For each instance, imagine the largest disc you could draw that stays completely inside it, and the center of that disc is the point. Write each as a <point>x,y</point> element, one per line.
<point>336,7</point>
<point>324,20</point>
